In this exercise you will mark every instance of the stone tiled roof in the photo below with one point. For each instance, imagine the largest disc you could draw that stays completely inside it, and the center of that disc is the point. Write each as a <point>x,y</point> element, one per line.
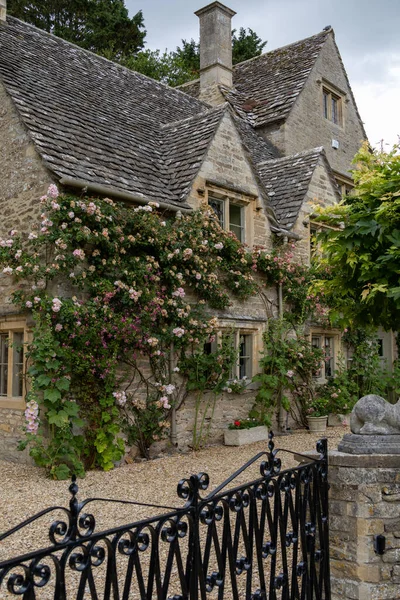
<point>265,87</point>
<point>287,179</point>
<point>94,120</point>
<point>184,145</point>
<point>258,147</point>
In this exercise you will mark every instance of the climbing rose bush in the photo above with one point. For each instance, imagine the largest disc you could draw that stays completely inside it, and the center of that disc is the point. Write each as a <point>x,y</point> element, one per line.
<point>108,290</point>
<point>107,287</point>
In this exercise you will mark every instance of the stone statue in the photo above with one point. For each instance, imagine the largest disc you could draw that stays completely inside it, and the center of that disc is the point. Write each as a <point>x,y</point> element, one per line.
<point>373,415</point>
<point>375,427</point>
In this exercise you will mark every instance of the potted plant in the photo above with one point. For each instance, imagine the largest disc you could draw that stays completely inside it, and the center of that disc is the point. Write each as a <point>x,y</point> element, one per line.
<point>245,431</point>
<point>340,401</point>
<point>317,414</point>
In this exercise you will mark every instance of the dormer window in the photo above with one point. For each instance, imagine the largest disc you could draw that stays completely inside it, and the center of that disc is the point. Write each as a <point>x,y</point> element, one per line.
<point>332,106</point>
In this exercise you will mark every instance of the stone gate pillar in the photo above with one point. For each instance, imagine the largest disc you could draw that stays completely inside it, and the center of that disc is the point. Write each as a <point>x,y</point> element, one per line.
<point>364,504</point>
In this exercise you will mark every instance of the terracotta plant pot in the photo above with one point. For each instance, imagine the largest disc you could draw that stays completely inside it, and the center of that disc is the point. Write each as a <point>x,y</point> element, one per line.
<point>317,424</point>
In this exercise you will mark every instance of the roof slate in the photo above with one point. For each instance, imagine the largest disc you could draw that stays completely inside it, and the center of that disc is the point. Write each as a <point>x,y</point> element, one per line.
<point>266,87</point>
<point>96,121</point>
<point>286,181</point>
<point>90,118</point>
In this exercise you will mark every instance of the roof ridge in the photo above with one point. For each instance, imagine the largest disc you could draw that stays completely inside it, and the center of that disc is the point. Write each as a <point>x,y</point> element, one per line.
<point>100,57</point>
<point>325,33</point>
<point>316,150</point>
<point>214,109</point>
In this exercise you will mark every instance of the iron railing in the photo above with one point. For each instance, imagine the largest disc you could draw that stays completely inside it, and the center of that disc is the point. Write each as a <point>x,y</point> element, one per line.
<point>264,539</point>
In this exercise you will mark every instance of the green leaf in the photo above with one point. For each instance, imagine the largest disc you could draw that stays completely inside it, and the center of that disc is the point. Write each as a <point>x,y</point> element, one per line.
<point>53,395</point>
<point>59,419</point>
<point>43,380</point>
<point>60,472</point>
<point>63,384</point>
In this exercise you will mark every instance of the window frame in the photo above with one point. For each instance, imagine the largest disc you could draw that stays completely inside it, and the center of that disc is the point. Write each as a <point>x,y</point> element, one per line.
<point>10,326</point>
<point>229,198</point>
<point>255,336</point>
<point>321,376</point>
<point>331,95</point>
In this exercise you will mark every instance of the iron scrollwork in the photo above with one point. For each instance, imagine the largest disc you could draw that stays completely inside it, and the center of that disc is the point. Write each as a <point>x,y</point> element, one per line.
<point>252,541</point>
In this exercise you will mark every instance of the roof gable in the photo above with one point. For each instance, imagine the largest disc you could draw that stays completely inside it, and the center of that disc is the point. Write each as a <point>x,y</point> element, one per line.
<point>287,180</point>
<point>266,86</point>
<point>88,117</point>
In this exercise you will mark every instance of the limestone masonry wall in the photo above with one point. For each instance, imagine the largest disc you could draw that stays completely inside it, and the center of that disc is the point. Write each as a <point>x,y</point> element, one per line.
<point>364,502</point>
<point>306,127</point>
<point>11,422</point>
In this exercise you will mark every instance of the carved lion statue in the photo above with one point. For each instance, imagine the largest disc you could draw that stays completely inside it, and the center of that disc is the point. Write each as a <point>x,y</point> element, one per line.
<point>373,415</point>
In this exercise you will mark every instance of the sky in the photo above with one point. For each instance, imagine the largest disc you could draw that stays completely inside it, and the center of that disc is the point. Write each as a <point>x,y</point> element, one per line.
<point>366,31</point>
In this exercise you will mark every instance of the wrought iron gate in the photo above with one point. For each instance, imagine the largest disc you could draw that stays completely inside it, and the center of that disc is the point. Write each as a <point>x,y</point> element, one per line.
<point>264,539</point>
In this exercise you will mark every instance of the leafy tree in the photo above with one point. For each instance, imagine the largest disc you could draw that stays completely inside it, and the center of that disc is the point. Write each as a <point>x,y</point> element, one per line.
<point>183,64</point>
<point>363,248</point>
<point>102,26</point>
<point>246,45</point>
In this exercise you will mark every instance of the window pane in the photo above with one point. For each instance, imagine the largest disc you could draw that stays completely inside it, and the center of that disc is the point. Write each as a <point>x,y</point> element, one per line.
<point>218,208</point>
<point>335,117</point>
<point>236,220</point>
<point>316,343</point>
<point>3,363</point>
<point>326,106</point>
<point>244,356</point>
<point>328,357</point>
<point>18,363</point>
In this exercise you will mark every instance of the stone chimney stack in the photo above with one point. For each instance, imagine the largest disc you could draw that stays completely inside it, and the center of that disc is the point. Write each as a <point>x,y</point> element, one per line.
<point>215,51</point>
<point>3,10</point>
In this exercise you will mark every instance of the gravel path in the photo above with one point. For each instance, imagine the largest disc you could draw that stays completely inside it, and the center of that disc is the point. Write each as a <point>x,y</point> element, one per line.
<point>26,490</point>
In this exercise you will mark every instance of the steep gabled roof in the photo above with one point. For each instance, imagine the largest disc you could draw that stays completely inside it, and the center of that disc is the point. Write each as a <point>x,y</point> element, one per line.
<point>184,145</point>
<point>88,117</point>
<point>266,87</point>
<point>287,179</point>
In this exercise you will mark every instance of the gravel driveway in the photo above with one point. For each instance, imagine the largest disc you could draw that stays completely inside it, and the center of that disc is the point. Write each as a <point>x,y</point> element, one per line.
<point>26,490</point>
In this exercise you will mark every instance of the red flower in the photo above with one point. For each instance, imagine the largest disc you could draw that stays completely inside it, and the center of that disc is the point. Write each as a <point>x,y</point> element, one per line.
<point>236,423</point>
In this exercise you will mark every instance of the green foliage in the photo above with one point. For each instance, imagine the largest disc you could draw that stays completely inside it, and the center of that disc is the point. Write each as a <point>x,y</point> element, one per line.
<point>364,371</point>
<point>182,65</point>
<point>364,252</point>
<point>246,45</point>
<point>128,269</point>
<point>208,375</point>
<point>102,26</point>
<point>288,364</point>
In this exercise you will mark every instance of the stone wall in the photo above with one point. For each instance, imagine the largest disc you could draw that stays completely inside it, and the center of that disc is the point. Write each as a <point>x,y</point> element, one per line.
<point>306,127</point>
<point>11,422</point>
<point>321,191</point>
<point>23,181</point>
<point>364,502</point>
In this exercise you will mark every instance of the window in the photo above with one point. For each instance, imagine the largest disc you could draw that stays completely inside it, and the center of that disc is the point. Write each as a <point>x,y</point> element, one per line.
<point>230,214</point>
<point>243,343</point>
<point>245,356</point>
<point>11,364</point>
<point>345,184</point>
<point>328,345</point>
<point>332,106</point>
<point>12,342</point>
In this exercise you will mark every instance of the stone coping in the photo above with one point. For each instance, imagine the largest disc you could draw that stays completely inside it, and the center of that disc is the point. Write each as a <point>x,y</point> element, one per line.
<point>365,461</point>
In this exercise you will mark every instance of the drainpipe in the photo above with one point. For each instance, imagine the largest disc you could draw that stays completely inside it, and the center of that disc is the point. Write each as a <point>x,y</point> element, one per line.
<point>173,436</point>
<point>281,412</point>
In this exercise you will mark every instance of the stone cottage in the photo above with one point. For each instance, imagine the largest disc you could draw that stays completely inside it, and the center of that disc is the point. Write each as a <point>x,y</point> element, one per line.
<point>257,142</point>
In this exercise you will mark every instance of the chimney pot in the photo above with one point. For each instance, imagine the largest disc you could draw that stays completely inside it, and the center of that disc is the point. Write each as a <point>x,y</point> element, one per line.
<point>215,50</point>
